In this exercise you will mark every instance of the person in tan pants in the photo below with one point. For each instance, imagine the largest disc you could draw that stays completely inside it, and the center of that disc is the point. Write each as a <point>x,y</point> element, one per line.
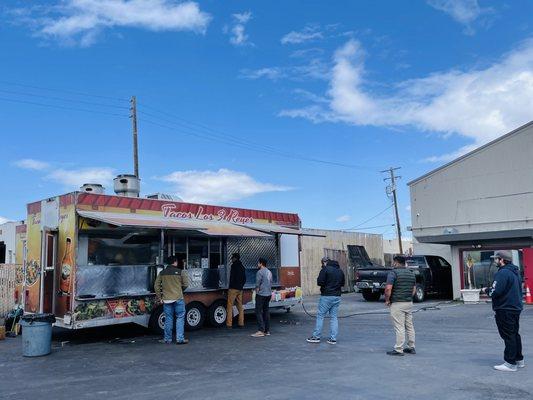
<point>399,291</point>
<point>237,279</point>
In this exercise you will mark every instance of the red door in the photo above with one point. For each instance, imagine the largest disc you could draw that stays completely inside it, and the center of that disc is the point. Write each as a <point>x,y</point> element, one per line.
<point>528,267</point>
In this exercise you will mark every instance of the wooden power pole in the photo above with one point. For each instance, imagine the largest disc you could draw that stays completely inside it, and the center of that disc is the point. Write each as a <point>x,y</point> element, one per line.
<point>133,110</point>
<point>392,189</point>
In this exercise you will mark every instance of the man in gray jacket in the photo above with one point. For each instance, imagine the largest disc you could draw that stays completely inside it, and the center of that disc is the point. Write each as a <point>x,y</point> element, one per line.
<point>263,294</point>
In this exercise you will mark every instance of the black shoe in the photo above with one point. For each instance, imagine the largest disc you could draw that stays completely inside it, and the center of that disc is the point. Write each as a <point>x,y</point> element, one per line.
<point>184,341</point>
<point>394,353</point>
<point>332,341</point>
<point>163,341</point>
<point>409,350</point>
<point>313,339</point>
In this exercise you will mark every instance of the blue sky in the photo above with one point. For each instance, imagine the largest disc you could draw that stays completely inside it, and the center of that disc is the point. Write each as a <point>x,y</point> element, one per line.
<point>248,103</point>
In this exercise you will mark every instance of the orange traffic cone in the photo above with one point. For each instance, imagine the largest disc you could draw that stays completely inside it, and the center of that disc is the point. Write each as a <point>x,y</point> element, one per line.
<point>529,299</point>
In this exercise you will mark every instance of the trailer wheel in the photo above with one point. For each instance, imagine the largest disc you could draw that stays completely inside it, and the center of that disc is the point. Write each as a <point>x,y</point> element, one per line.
<point>420,293</point>
<point>157,320</point>
<point>368,295</point>
<point>194,316</point>
<point>217,313</point>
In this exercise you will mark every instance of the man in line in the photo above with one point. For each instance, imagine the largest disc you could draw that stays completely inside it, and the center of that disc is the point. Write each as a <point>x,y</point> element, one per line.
<point>399,291</point>
<point>263,294</point>
<point>169,286</point>
<point>331,280</point>
<point>506,295</point>
<point>237,279</point>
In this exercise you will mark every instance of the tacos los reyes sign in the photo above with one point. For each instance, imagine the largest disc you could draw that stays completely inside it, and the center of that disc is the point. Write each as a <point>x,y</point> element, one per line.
<point>224,214</point>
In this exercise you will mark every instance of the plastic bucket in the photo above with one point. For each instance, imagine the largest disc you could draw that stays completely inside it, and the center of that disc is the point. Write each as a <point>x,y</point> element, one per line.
<point>36,334</point>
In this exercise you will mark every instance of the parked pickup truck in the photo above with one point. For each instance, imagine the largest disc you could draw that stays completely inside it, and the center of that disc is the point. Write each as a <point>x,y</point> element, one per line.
<point>433,276</point>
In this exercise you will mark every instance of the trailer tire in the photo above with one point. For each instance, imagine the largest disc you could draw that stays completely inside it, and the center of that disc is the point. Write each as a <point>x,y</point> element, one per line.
<point>369,295</point>
<point>157,320</point>
<point>195,314</point>
<point>217,314</point>
<point>420,293</point>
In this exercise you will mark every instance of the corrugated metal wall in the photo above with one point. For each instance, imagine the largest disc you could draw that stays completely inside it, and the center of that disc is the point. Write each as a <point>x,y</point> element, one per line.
<point>314,248</point>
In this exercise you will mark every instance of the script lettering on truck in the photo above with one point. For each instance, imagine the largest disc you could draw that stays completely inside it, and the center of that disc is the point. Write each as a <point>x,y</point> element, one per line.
<point>228,215</point>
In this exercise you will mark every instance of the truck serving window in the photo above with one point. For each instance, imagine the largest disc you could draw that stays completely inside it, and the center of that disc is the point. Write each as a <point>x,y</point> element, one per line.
<point>128,249</point>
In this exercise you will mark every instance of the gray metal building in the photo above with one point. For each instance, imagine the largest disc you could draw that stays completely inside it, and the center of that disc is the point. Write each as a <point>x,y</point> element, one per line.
<point>475,204</point>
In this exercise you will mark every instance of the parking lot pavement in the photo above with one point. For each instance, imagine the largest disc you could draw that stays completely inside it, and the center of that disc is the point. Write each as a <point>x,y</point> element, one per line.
<point>456,344</point>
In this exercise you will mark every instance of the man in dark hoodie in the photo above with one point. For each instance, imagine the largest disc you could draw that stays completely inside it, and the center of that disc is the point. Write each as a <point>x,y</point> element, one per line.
<point>237,279</point>
<point>506,295</point>
<point>331,280</point>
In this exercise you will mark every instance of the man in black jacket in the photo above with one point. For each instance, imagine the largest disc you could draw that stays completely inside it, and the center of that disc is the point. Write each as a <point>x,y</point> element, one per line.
<point>331,280</point>
<point>506,295</point>
<point>237,279</point>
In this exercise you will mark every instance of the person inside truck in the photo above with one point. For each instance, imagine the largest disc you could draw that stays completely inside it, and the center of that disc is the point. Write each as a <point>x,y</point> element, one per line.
<point>399,291</point>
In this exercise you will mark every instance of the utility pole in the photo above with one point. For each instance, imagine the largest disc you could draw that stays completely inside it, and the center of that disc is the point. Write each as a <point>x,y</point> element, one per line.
<point>133,117</point>
<point>392,189</point>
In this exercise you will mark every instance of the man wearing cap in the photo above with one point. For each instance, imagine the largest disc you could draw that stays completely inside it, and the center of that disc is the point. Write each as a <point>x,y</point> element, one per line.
<point>506,295</point>
<point>237,279</point>
<point>331,280</point>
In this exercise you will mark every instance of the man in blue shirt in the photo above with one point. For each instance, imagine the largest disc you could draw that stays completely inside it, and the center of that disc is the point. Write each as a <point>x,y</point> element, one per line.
<point>506,295</point>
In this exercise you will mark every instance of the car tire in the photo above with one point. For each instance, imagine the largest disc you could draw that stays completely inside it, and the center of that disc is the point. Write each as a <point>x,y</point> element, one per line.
<point>217,314</point>
<point>157,320</point>
<point>420,293</point>
<point>195,314</point>
<point>368,295</point>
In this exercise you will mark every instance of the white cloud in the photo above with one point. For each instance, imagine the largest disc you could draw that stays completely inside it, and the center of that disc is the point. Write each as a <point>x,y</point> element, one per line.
<point>478,103</point>
<point>74,178</point>
<point>30,163</point>
<point>314,69</point>
<point>408,208</point>
<point>463,11</point>
<point>217,186</point>
<point>305,35</point>
<point>238,31</point>
<point>343,218</point>
<point>80,21</point>
<point>3,220</point>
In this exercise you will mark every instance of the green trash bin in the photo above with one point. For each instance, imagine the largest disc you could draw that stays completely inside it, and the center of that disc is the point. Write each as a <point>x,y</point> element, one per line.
<point>37,334</point>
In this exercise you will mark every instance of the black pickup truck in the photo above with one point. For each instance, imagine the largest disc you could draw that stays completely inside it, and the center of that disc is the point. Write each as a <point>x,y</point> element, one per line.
<point>433,276</point>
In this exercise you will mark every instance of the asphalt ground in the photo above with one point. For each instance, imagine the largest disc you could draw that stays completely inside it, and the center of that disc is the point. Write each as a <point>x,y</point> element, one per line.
<point>457,345</point>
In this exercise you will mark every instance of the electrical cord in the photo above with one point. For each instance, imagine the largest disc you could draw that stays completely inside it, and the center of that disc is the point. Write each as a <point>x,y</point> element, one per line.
<point>385,311</point>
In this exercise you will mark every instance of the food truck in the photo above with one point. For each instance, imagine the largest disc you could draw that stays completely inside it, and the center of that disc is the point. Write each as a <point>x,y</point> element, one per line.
<point>92,258</point>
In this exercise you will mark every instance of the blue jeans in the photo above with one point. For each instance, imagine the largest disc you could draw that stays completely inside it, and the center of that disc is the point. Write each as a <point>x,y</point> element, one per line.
<point>328,304</point>
<point>171,310</point>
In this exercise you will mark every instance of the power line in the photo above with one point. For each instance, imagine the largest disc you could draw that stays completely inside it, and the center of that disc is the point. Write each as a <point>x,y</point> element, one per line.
<point>211,134</point>
<point>392,189</point>
<point>371,218</point>
<point>369,227</point>
<point>64,91</point>
<point>63,99</point>
<point>61,107</point>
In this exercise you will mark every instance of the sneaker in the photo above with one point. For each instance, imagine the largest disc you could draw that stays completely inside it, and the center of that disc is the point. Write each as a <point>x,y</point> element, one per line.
<point>394,353</point>
<point>409,350</point>
<point>163,341</point>
<point>313,339</point>
<point>520,364</point>
<point>267,333</point>
<point>258,334</point>
<point>506,367</point>
<point>184,341</point>
<point>332,341</point>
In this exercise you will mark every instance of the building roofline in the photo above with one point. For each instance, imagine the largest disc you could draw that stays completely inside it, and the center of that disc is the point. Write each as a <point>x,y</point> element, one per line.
<point>471,153</point>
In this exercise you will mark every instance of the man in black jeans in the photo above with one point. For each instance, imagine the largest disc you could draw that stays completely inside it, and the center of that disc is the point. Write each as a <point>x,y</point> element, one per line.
<point>506,294</point>
<point>263,293</point>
